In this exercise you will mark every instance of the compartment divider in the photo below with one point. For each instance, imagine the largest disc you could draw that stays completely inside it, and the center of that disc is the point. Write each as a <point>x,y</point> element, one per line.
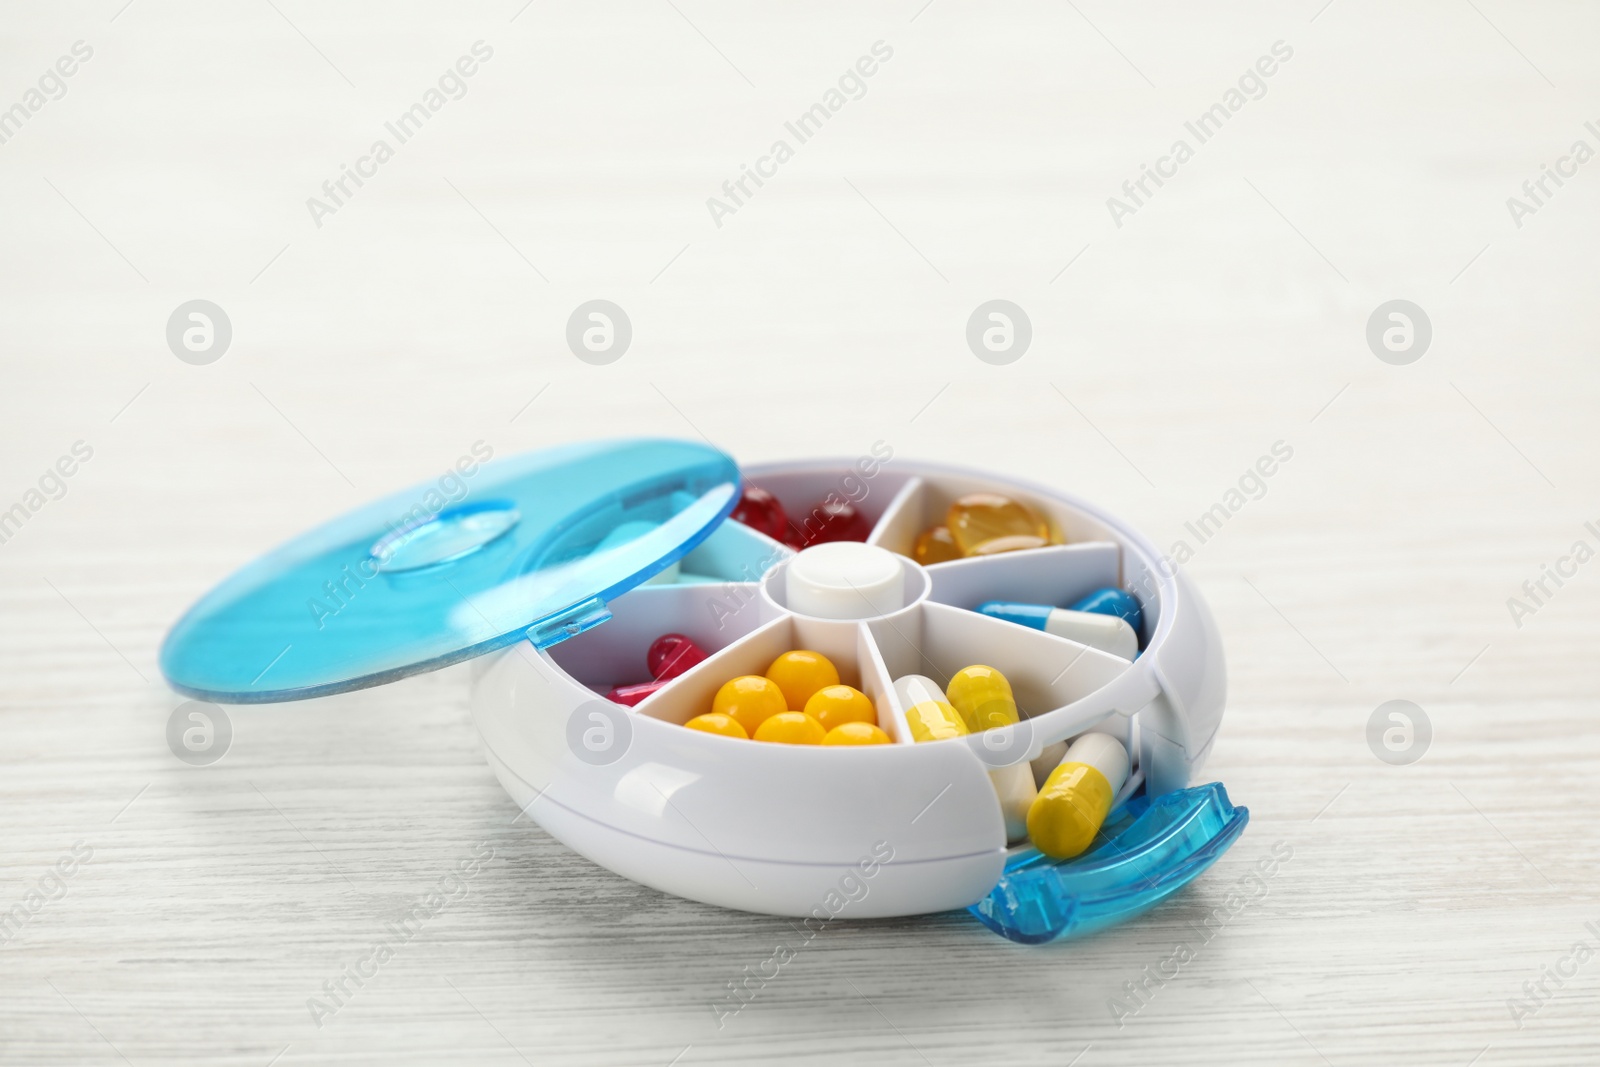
<point>877,683</point>
<point>802,486</point>
<point>898,641</point>
<point>897,528</point>
<point>690,693</point>
<point>1057,576</point>
<point>714,615</point>
<point>1046,672</point>
<point>942,488</point>
<point>1135,780</point>
<point>835,638</point>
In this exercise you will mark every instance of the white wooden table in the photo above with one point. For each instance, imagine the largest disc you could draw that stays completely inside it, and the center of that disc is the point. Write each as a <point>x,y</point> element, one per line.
<point>207,905</point>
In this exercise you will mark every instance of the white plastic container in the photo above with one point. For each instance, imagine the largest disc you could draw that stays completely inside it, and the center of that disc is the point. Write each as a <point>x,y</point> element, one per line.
<point>774,828</point>
<point>535,572</point>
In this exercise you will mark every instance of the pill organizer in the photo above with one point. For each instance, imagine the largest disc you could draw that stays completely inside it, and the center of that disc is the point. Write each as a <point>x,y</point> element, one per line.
<point>553,572</point>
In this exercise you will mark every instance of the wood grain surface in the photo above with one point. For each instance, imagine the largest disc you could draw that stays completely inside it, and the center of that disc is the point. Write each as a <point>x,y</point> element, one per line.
<point>1429,913</point>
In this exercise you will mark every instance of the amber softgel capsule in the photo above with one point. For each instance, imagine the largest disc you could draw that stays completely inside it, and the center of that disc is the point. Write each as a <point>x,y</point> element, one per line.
<point>981,517</point>
<point>935,545</point>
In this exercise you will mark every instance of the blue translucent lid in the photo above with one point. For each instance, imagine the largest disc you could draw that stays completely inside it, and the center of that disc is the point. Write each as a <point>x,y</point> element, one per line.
<point>530,546</point>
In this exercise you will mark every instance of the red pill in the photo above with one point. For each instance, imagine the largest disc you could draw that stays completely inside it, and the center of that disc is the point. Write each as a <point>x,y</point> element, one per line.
<point>760,510</point>
<point>631,695</point>
<point>672,654</point>
<point>829,521</point>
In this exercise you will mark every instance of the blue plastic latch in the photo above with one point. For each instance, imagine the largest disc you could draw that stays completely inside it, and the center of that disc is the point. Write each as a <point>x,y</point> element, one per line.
<point>1146,852</point>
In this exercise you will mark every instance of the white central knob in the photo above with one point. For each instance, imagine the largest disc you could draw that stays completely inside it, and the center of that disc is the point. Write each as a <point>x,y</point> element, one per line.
<point>845,580</point>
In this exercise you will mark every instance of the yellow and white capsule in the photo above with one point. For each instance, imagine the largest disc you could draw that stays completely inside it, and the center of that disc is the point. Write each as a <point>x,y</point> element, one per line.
<point>983,697</point>
<point>1076,798</point>
<point>913,689</point>
<point>929,713</point>
<point>933,717</point>
<point>934,720</point>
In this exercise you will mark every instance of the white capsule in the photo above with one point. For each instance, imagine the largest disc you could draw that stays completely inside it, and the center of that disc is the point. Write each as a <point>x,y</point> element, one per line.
<point>1105,754</point>
<point>1047,762</point>
<point>1014,786</point>
<point>1108,633</point>
<point>914,689</point>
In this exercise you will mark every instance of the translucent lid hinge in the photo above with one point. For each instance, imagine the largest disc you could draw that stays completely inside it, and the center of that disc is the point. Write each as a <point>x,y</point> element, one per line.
<point>569,623</point>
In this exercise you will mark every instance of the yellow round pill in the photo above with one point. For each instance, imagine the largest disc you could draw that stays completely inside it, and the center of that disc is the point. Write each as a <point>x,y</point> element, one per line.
<point>983,697</point>
<point>714,722</point>
<point>750,699</point>
<point>856,733</point>
<point>934,720</point>
<point>800,674</point>
<point>935,545</point>
<point>838,704</point>
<point>979,517</point>
<point>791,728</point>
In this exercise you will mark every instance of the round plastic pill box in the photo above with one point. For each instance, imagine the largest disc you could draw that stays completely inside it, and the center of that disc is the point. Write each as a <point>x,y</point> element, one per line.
<point>526,573</point>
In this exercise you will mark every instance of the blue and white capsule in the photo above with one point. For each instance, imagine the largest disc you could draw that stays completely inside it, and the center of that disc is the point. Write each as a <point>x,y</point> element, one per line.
<point>1107,632</point>
<point>1113,601</point>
